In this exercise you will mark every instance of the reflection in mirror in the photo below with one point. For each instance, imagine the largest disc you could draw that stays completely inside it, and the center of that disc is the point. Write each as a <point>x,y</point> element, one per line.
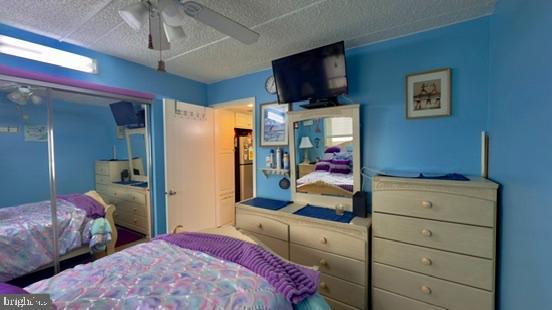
<point>26,239</point>
<point>324,156</point>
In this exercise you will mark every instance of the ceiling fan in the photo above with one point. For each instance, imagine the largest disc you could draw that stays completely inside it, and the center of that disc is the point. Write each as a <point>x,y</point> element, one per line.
<point>166,18</point>
<point>22,94</point>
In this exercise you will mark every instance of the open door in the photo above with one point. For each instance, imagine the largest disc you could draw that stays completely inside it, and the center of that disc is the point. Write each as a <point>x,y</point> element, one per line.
<point>189,169</point>
<point>224,167</point>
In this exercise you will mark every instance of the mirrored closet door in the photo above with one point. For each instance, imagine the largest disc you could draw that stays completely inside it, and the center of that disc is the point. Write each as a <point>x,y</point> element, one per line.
<point>26,236</point>
<point>82,156</point>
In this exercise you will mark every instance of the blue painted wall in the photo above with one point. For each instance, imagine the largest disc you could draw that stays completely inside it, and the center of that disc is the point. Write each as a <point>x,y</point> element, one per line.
<point>117,72</point>
<point>376,79</point>
<point>521,149</point>
<point>82,135</point>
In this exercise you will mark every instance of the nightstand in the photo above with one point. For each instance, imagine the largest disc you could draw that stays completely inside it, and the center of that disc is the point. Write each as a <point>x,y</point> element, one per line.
<point>305,169</point>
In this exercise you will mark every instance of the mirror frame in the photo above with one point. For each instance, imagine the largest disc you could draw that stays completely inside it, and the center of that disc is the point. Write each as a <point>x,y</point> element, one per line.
<point>327,201</point>
<point>128,133</point>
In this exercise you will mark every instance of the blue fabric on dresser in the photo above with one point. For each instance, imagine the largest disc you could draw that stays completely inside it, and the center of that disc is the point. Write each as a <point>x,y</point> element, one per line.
<point>265,203</point>
<point>325,214</point>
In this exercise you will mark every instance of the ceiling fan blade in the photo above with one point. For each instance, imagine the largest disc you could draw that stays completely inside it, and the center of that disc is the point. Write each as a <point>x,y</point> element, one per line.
<point>220,22</point>
<point>159,39</point>
<point>172,13</point>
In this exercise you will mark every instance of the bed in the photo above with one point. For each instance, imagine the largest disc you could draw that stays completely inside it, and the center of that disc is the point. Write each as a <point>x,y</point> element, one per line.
<point>181,274</point>
<point>326,183</point>
<point>26,238</point>
<point>332,175</point>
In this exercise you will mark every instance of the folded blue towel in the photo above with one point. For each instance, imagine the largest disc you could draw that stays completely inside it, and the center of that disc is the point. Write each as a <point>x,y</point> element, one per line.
<point>266,203</point>
<point>325,214</point>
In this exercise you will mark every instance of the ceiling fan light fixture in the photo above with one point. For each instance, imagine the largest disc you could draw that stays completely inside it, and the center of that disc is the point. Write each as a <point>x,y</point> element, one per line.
<point>17,98</point>
<point>173,33</point>
<point>36,100</point>
<point>135,15</point>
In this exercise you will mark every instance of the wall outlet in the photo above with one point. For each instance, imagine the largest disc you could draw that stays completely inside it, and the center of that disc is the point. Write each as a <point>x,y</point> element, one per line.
<point>4,129</point>
<point>13,129</point>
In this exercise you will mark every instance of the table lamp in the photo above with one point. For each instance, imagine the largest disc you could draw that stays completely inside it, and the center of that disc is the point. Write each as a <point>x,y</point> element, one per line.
<point>305,144</point>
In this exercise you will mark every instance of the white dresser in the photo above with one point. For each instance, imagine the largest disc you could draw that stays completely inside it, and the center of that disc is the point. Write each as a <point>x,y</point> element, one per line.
<point>132,203</point>
<point>434,244</point>
<point>339,250</point>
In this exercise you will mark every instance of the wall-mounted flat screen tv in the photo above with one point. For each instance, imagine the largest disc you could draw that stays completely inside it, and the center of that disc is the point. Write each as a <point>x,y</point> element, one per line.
<point>316,75</point>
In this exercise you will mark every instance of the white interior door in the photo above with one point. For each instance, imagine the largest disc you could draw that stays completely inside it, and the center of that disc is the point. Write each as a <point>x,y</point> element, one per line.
<point>224,167</point>
<point>189,169</point>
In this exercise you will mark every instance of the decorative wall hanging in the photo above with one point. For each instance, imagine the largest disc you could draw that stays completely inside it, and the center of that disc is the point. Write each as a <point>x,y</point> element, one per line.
<point>428,94</point>
<point>274,129</point>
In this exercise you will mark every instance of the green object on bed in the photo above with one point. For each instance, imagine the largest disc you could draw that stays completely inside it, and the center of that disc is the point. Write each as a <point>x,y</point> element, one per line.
<point>315,302</point>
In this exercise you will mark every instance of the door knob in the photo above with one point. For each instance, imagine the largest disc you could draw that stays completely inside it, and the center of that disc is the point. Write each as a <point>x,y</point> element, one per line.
<point>171,193</point>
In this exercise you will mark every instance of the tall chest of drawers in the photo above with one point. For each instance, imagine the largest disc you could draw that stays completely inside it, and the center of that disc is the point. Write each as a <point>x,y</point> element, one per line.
<point>434,244</point>
<point>132,203</point>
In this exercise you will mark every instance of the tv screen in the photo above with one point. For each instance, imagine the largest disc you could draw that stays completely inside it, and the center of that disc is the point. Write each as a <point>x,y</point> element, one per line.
<point>124,113</point>
<point>316,74</point>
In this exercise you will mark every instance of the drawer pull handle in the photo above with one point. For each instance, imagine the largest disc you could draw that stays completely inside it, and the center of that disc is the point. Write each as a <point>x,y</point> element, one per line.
<point>135,209</point>
<point>425,289</point>
<point>323,240</point>
<point>135,221</point>
<point>323,262</point>
<point>260,226</point>
<point>323,285</point>
<point>426,232</point>
<point>427,204</point>
<point>426,261</point>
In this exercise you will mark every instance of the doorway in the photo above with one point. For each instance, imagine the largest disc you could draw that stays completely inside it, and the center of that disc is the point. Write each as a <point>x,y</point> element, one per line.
<point>234,156</point>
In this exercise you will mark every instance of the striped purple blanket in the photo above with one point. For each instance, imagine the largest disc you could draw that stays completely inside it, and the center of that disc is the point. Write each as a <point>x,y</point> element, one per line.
<point>294,282</point>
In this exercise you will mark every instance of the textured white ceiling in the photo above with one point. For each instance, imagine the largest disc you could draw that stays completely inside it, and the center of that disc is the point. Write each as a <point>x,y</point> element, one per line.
<point>286,27</point>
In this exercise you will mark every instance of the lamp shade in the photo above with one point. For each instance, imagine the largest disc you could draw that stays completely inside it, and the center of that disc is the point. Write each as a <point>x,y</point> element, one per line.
<point>173,33</point>
<point>135,15</point>
<point>305,143</point>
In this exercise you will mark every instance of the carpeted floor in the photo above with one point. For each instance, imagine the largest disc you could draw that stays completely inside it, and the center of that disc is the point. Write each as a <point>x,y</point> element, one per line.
<point>126,236</point>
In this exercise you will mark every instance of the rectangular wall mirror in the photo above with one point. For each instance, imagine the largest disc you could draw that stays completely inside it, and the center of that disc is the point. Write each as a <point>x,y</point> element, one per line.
<point>325,154</point>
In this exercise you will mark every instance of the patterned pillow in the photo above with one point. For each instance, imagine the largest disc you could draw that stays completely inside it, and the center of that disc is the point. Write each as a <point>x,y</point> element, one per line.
<point>322,166</point>
<point>327,157</point>
<point>344,155</point>
<point>343,169</point>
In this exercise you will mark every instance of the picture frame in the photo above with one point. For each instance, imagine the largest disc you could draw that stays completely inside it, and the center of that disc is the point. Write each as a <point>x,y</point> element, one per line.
<point>274,124</point>
<point>428,94</point>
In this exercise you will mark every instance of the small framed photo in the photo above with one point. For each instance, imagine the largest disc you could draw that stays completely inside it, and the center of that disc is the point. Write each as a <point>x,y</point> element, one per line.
<point>428,94</point>
<point>274,120</point>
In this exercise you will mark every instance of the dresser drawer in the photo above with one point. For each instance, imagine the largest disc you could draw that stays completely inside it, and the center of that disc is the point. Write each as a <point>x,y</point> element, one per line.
<point>428,289</point>
<point>472,240</point>
<point>384,300</point>
<point>328,240</point>
<point>438,206</point>
<point>102,168</point>
<point>335,265</point>
<point>263,225</point>
<point>135,222</point>
<point>276,245</point>
<point>103,179</point>
<point>133,208</point>
<point>342,291</point>
<point>469,270</point>
<point>134,196</point>
<point>337,305</point>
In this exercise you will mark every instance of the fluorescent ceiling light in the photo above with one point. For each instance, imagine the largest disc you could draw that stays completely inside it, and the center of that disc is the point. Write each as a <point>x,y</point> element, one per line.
<point>25,49</point>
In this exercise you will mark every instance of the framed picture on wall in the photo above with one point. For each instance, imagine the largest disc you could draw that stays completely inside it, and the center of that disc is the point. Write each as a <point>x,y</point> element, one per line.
<point>428,94</point>
<point>274,130</point>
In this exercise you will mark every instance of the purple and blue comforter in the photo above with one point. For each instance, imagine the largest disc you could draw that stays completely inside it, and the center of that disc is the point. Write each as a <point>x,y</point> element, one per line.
<point>26,240</point>
<point>161,275</point>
